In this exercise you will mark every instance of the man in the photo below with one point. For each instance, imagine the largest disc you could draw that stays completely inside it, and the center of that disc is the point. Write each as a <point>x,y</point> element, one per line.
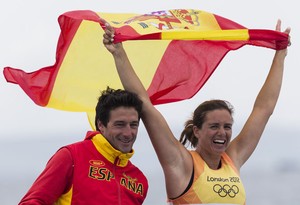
<point>97,170</point>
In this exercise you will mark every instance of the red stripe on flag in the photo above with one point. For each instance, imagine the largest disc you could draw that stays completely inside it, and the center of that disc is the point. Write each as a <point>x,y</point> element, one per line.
<point>36,84</point>
<point>126,33</point>
<point>185,67</point>
<point>268,38</point>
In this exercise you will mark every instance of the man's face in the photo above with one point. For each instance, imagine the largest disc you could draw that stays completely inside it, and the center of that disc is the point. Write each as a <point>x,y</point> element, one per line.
<point>121,129</point>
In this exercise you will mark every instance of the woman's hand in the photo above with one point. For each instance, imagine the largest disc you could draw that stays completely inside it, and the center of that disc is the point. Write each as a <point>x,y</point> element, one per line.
<point>287,31</point>
<point>108,38</point>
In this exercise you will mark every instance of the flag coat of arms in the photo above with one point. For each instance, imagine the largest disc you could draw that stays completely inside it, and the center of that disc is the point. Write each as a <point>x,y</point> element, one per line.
<point>174,52</point>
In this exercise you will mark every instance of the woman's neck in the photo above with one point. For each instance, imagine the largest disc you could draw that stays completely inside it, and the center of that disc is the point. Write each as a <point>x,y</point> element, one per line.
<point>213,161</point>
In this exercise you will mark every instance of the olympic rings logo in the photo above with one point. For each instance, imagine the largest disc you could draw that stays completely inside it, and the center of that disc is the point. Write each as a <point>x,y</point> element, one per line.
<point>225,190</point>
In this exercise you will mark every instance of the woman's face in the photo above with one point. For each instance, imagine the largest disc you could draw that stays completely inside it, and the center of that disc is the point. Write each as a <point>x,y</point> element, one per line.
<point>216,131</point>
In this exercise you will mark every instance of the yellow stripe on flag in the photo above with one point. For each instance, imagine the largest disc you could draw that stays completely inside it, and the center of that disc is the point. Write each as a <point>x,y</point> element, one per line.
<point>224,35</point>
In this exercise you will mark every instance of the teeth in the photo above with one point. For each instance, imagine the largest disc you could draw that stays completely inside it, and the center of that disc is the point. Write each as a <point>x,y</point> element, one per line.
<point>219,141</point>
<point>125,141</point>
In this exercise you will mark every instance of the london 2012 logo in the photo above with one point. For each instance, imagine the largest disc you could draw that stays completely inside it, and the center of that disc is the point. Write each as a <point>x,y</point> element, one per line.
<point>226,190</point>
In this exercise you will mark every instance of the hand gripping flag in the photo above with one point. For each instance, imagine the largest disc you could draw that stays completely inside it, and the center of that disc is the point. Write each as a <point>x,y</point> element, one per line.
<point>174,53</point>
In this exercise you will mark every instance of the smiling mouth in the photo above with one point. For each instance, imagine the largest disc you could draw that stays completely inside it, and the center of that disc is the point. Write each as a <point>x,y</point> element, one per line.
<point>125,141</point>
<point>219,141</point>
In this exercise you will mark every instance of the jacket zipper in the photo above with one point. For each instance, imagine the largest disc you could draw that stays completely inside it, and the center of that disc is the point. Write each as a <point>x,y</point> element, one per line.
<point>117,180</point>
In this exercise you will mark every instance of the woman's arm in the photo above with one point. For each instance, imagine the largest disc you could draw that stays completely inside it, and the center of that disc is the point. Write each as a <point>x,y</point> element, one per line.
<point>245,143</point>
<point>174,158</point>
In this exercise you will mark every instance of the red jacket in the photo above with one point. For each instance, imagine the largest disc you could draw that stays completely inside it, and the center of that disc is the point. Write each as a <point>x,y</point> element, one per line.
<point>89,172</point>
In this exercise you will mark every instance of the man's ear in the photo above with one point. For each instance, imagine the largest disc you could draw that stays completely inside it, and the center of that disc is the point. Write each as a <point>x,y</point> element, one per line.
<point>100,125</point>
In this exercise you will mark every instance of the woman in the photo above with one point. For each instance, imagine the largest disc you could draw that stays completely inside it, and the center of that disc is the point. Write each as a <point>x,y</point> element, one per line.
<point>210,174</point>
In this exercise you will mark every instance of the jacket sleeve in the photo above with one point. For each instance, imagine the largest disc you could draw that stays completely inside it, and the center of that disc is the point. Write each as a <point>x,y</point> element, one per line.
<point>55,180</point>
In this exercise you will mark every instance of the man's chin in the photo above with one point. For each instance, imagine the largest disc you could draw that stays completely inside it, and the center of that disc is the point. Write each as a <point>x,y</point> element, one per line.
<point>126,150</point>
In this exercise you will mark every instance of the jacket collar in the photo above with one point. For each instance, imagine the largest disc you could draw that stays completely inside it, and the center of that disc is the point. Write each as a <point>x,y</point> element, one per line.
<point>110,153</point>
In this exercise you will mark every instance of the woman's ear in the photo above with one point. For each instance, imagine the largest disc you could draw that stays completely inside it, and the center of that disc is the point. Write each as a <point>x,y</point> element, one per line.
<point>196,131</point>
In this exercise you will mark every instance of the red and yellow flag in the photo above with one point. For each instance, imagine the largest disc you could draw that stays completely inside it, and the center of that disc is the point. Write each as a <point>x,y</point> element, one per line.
<point>174,53</point>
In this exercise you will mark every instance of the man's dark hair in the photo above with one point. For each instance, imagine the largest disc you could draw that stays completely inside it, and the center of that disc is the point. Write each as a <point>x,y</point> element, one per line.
<point>111,99</point>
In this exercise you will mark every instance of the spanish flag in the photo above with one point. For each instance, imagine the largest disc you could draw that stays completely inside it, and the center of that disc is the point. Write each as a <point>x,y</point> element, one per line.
<point>174,52</point>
